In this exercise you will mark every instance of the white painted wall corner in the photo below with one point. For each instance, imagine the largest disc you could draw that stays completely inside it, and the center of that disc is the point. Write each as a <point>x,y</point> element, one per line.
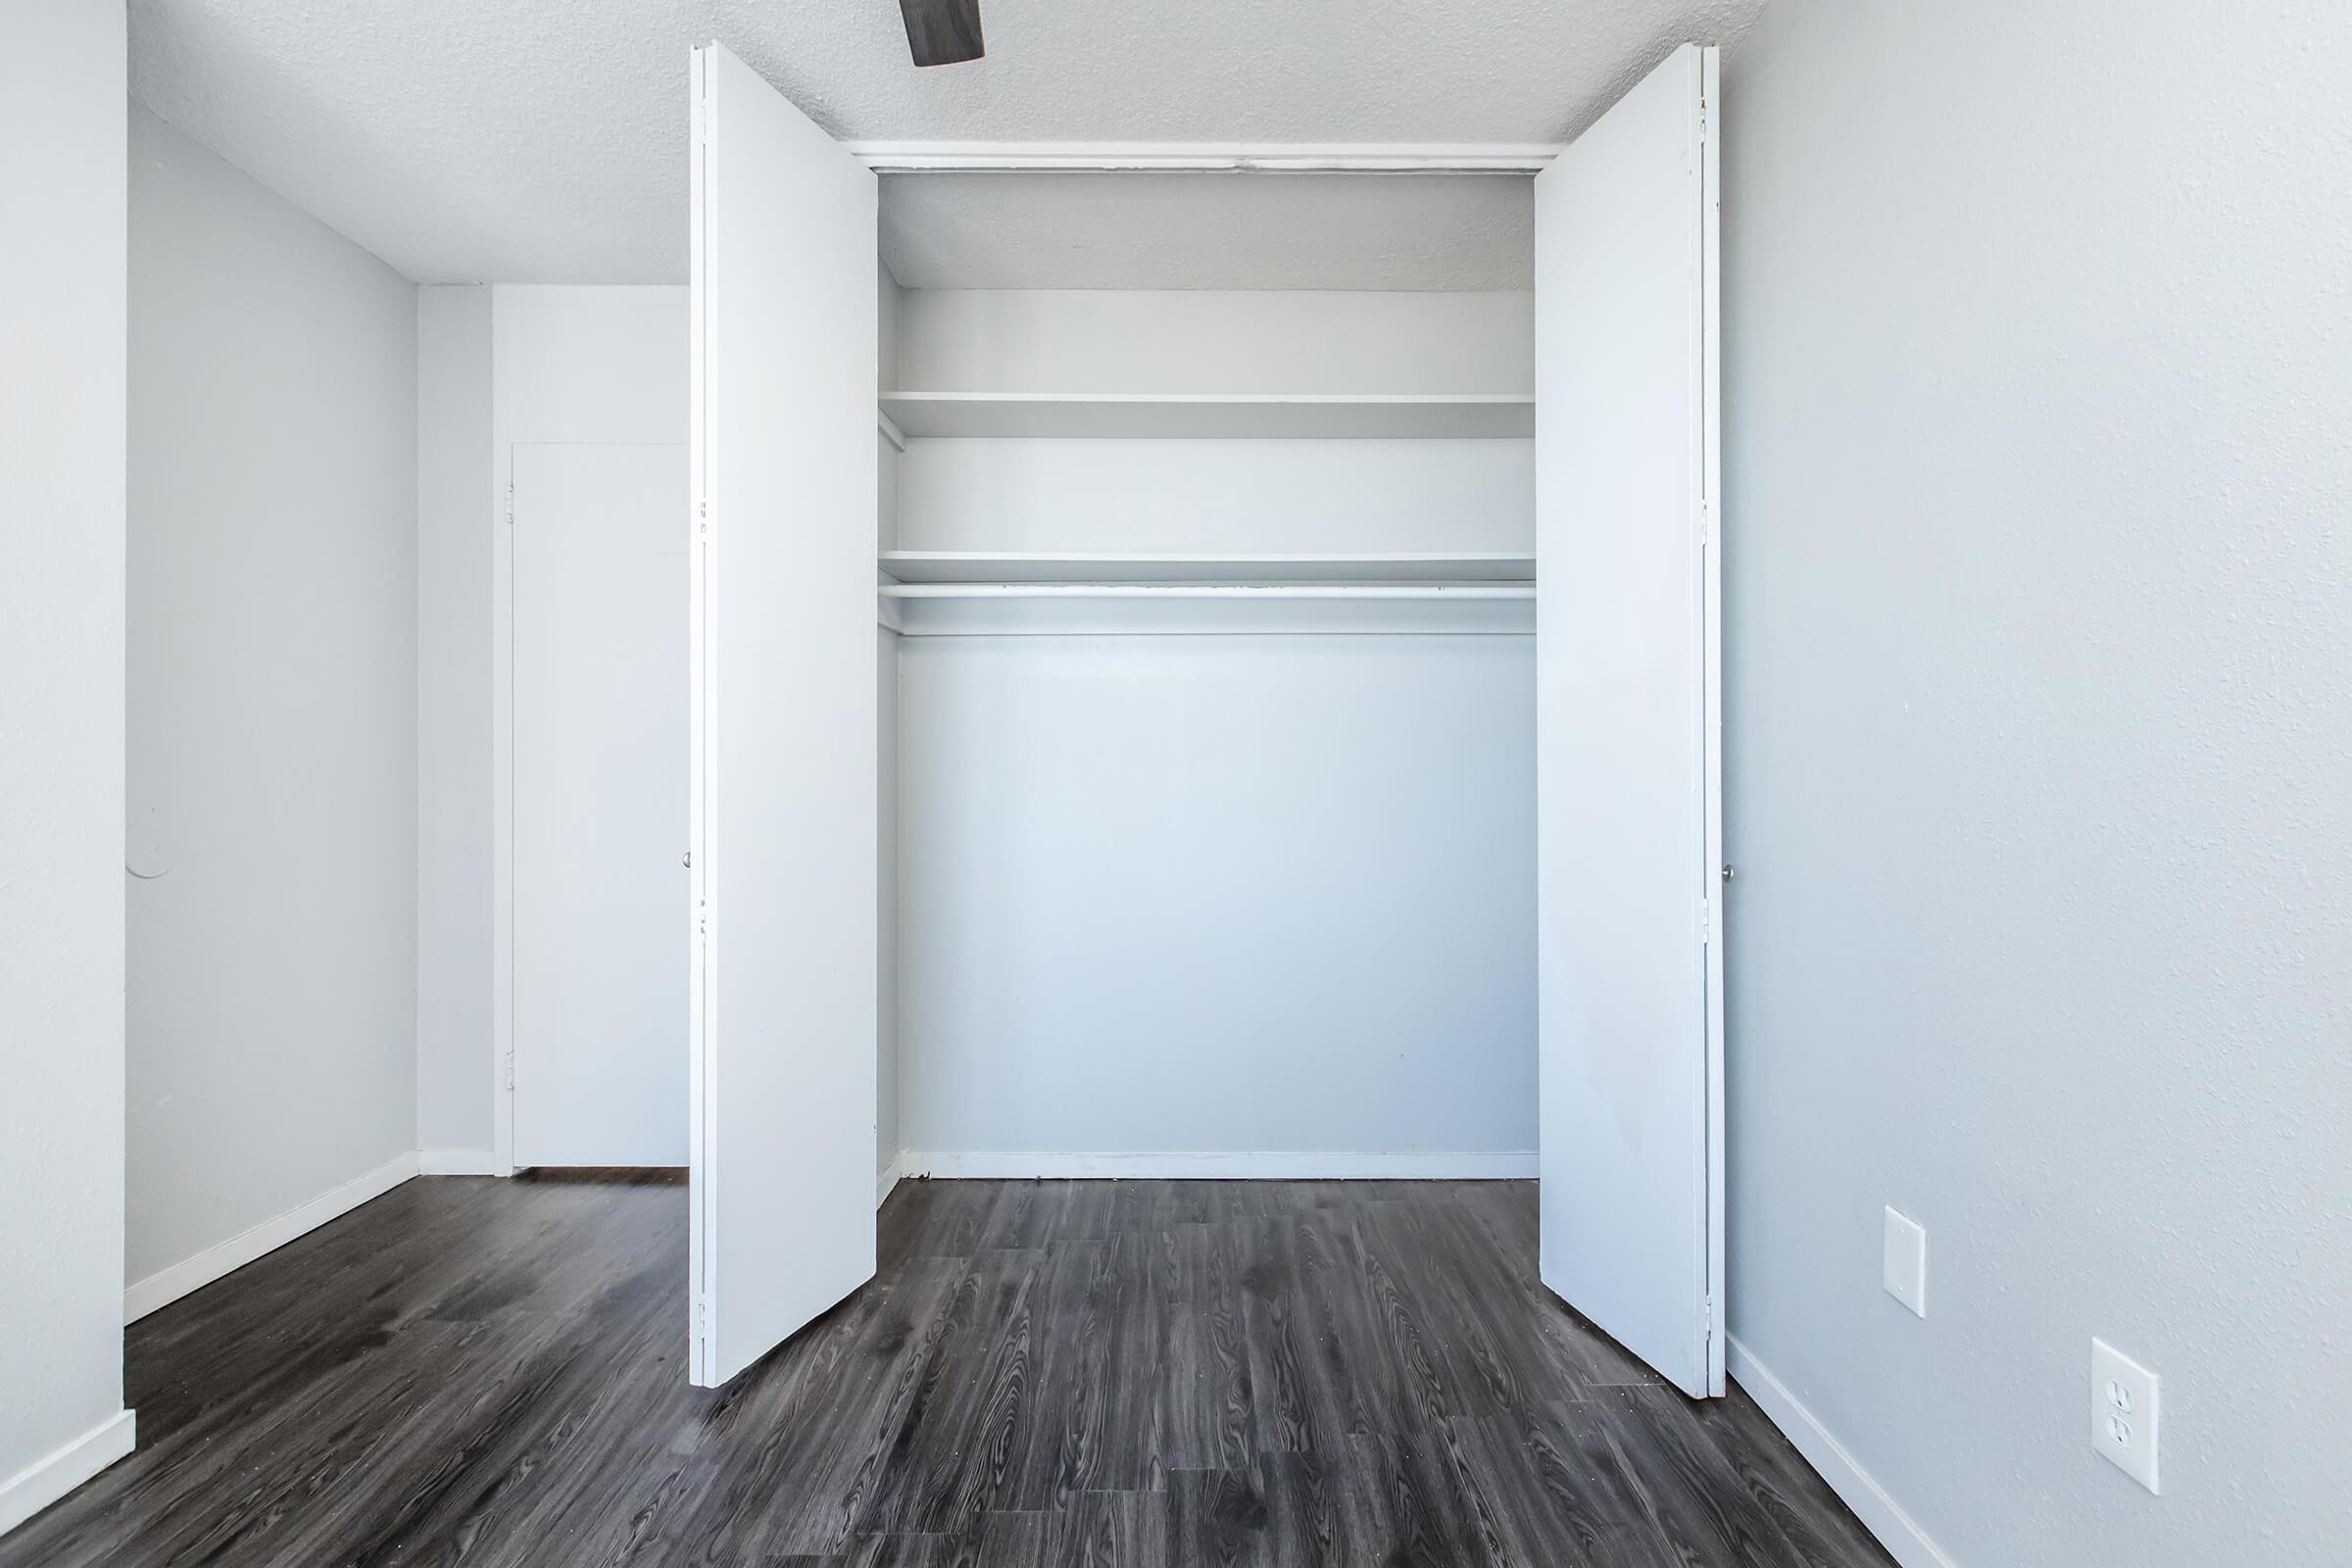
<point>167,1285</point>
<point>47,1478</point>
<point>1879,1512</point>
<point>460,1162</point>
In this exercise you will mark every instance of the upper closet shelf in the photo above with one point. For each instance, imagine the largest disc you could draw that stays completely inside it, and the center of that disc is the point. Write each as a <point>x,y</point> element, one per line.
<point>1198,415</point>
<point>988,566</point>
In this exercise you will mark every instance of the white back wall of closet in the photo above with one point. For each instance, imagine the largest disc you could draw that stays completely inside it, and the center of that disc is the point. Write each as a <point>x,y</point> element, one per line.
<point>1213,340</point>
<point>1214,495</point>
<point>1215,897</point>
<point>1217,894</point>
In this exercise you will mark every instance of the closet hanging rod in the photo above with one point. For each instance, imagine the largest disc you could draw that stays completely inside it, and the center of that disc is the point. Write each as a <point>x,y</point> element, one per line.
<point>1197,590</point>
<point>1259,568</point>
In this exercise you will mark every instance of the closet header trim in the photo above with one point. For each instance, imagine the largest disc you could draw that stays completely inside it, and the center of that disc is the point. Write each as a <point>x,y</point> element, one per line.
<point>1464,158</point>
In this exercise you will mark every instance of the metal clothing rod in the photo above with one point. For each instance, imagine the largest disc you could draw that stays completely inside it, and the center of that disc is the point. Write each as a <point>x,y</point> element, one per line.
<point>1191,590</point>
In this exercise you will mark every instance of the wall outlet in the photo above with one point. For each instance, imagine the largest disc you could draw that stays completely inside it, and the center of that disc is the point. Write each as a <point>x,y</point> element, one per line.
<point>2123,1412</point>
<point>1906,1270</point>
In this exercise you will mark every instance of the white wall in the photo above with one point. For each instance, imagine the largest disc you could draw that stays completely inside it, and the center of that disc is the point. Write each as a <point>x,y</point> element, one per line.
<point>273,705</point>
<point>1212,340</point>
<point>2038,619</point>
<point>455,516</point>
<point>1217,894</point>
<point>61,748</point>
<point>1209,496</point>
<point>568,363</point>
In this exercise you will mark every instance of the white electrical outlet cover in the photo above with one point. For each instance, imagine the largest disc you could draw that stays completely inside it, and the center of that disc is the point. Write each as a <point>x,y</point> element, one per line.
<point>1906,1270</point>
<point>2123,1412</point>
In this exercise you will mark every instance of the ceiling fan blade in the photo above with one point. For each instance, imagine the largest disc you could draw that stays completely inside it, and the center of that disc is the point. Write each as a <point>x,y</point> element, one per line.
<point>943,33</point>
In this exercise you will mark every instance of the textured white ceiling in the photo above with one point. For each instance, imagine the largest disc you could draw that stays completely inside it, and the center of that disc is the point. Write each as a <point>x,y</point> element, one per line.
<point>1265,230</point>
<point>526,141</point>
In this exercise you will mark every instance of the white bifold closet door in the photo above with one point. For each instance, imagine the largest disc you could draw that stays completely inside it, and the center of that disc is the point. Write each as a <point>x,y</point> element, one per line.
<point>1629,775</point>
<point>784,747</point>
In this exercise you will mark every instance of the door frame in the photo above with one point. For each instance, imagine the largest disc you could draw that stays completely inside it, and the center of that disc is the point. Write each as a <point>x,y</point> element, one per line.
<point>1715,894</point>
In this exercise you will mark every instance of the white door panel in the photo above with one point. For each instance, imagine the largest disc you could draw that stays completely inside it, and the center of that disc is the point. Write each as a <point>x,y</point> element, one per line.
<point>1629,838</point>
<point>599,805</point>
<point>785,745</point>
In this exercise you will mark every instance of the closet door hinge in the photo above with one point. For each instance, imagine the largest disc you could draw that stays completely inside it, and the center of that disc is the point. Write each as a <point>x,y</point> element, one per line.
<point>1702,122</point>
<point>1706,520</point>
<point>1706,921</point>
<point>509,503</point>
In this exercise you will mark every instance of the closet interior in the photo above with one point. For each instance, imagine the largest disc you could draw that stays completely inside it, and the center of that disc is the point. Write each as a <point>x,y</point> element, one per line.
<point>1208,715</point>
<point>1154,791</point>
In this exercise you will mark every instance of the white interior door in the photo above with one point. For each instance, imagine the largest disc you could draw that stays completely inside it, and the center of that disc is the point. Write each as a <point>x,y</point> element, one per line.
<point>599,805</point>
<point>1629,778</point>
<point>785,744</point>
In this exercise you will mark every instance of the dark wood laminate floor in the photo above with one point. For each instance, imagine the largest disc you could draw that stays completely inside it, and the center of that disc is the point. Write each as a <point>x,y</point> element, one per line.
<point>1140,1374</point>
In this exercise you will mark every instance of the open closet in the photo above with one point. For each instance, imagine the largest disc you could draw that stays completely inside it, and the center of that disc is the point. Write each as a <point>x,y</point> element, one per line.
<point>1251,723</point>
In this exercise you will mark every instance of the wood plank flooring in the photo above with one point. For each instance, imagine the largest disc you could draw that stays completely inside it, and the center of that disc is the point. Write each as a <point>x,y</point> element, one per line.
<point>1131,1375</point>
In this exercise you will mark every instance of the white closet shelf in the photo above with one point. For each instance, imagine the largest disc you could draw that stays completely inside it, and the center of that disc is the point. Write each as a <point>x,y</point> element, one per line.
<point>1205,414</point>
<point>1045,568</point>
<point>1046,608</point>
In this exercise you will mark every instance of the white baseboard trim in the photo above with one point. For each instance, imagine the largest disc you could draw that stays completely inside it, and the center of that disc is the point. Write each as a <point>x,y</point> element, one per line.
<point>168,1284</point>
<point>44,1481</point>
<point>459,1162</point>
<point>892,1174</point>
<point>1265,1167</point>
<point>1880,1513</point>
